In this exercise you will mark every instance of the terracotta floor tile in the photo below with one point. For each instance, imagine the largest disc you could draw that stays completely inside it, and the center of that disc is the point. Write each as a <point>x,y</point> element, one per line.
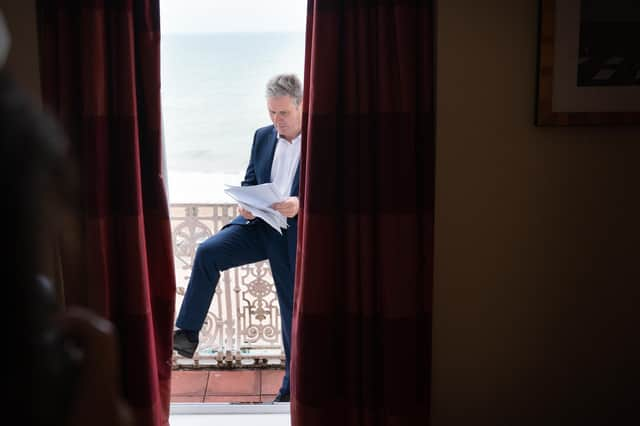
<point>178,398</point>
<point>189,383</point>
<point>271,381</point>
<point>239,398</point>
<point>234,382</point>
<point>267,398</point>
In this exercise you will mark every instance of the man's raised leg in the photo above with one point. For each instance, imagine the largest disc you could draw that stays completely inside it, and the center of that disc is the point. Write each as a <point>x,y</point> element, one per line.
<point>232,246</point>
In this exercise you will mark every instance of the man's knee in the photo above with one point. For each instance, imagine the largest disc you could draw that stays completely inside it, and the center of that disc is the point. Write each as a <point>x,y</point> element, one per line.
<point>207,254</point>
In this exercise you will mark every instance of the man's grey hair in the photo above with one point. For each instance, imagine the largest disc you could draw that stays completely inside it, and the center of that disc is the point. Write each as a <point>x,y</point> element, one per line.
<point>285,85</point>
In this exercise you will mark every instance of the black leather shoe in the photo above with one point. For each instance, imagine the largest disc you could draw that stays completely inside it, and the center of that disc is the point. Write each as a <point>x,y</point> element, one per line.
<point>282,397</point>
<point>183,345</point>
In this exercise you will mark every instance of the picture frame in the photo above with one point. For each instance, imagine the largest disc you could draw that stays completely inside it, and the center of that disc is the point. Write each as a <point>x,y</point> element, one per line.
<point>588,65</point>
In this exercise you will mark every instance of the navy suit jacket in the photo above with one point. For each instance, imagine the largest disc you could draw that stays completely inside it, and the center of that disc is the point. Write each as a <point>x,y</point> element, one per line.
<point>259,169</point>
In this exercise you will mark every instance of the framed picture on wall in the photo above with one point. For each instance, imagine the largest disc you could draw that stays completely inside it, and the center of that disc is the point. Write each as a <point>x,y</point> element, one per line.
<point>588,62</point>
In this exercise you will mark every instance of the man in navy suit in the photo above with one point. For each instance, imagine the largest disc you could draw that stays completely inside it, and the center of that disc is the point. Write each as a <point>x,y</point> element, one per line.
<point>275,157</point>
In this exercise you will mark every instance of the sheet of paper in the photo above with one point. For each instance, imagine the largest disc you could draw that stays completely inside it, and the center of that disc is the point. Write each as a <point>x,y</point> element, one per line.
<point>258,200</point>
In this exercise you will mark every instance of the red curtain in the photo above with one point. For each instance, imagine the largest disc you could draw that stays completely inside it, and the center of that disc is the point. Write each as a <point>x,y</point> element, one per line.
<point>362,321</point>
<point>100,69</point>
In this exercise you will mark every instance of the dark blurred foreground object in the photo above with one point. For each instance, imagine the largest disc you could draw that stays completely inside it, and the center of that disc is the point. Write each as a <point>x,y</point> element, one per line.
<point>67,369</point>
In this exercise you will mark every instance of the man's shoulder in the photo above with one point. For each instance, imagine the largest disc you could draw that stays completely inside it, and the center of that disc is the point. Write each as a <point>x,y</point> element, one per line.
<point>265,131</point>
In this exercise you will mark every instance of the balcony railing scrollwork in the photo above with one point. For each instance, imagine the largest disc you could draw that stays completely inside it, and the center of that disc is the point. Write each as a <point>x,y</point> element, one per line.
<point>242,327</point>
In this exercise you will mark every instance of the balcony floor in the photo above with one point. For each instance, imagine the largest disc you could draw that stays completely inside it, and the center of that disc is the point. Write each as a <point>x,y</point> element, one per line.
<point>236,386</point>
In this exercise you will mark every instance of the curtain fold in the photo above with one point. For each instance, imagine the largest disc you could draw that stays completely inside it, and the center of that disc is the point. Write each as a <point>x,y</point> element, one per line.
<point>100,70</point>
<point>364,278</point>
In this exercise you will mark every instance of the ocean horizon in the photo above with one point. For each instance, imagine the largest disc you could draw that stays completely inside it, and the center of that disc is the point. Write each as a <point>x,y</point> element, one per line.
<point>213,100</point>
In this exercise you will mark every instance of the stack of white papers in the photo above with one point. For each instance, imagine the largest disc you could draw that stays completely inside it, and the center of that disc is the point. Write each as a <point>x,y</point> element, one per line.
<point>258,200</point>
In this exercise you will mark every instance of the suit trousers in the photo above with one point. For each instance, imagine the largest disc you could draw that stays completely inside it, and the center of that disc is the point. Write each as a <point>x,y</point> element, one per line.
<point>237,245</point>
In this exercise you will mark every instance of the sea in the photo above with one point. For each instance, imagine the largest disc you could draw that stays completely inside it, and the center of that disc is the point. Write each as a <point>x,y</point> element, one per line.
<point>213,100</point>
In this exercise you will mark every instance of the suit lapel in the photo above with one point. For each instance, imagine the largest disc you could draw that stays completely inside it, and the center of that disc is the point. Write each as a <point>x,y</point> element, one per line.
<point>271,151</point>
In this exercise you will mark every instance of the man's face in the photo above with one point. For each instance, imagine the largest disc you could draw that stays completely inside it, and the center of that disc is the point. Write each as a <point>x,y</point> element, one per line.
<point>285,116</point>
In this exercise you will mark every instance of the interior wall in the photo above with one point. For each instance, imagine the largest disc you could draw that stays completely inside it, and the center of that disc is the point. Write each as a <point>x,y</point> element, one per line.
<point>23,61</point>
<point>537,239</point>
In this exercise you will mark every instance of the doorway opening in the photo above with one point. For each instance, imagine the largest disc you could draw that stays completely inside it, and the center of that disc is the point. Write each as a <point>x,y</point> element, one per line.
<point>216,60</point>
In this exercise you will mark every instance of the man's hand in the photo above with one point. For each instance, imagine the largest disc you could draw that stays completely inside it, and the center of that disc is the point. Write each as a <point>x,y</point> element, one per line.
<point>288,207</point>
<point>245,213</point>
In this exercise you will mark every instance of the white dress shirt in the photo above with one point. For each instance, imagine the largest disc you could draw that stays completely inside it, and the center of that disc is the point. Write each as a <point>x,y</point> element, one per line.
<point>285,164</point>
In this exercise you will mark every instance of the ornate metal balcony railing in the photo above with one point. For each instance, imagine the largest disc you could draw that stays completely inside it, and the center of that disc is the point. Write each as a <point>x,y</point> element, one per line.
<point>242,327</point>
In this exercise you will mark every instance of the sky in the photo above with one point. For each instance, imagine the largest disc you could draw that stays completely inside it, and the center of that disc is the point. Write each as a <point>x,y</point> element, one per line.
<point>205,16</point>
